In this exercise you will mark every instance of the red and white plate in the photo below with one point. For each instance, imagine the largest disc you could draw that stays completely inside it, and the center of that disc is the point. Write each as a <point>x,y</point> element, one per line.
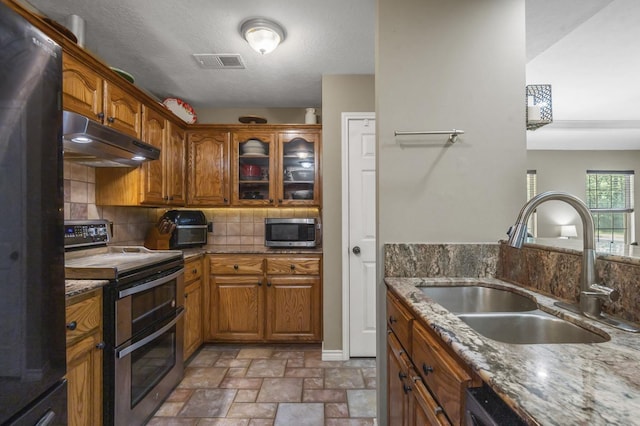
<point>181,109</point>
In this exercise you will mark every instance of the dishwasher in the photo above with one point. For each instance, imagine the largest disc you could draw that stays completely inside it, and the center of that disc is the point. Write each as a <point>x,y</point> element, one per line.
<point>485,408</point>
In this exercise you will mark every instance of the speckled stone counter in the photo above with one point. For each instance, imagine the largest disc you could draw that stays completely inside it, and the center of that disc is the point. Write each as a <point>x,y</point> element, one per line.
<point>76,287</point>
<point>551,384</point>
<point>257,249</point>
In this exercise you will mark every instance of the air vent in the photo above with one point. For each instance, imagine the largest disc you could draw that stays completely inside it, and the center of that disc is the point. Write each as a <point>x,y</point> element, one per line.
<point>219,61</point>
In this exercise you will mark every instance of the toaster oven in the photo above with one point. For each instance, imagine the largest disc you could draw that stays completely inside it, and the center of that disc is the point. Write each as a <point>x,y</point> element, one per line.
<point>191,228</point>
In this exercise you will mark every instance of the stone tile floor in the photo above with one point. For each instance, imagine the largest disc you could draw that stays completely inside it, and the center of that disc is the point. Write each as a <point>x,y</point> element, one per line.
<point>271,385</point>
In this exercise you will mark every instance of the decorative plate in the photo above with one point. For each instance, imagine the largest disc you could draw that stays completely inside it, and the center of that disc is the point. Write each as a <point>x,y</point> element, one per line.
<point>123,74</point>
<point>252,119</point>
<point>181,109</point>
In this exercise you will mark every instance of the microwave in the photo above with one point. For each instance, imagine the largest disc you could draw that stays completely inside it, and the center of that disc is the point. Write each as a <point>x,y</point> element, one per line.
<point>294,232</point>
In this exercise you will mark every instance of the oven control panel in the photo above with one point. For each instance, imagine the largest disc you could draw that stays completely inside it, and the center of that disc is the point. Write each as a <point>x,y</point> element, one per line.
<point>86,233</point>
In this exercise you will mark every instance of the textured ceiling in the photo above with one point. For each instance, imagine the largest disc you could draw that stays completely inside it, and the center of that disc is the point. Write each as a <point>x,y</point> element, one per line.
<point>586,49</point>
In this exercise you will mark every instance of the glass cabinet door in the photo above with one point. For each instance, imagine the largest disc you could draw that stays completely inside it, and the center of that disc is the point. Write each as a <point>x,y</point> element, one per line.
<point>298,168</point>
<point>253,175</point>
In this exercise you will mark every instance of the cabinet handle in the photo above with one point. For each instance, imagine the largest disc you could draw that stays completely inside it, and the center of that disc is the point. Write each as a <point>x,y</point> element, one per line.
<point>268,283</point>
<point>186,296</point>
<point>279,200</point>
<point>427,369</point>
<point>100,115</point>
<point>194,271</point>
<point>401,375</point>
<point>100,345</point>
<point>259,283</point>
<point>392,319</point>
<point>271,200</point>
<point>111,119</point>
<point>293,267</point>
<point>72,325</point>
<point>226,200</point>
<point>406,388</point>
<point>235,267</point>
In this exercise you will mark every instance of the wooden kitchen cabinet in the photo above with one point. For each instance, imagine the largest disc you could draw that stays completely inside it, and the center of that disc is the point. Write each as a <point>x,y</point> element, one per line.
<point>193,299</point>
<point>86,92</point>
<point>253,168</point>
<point>84,358</point>
<point>208,168</point>
<point>398,383</point>
<point>438,379</point>
<point>258,298</point>
<point>298,173</point>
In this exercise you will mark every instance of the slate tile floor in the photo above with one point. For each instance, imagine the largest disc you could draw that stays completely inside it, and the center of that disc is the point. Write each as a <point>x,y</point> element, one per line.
<point>271,385</point>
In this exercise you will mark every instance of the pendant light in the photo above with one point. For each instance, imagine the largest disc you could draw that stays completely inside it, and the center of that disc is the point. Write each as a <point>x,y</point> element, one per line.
<point>262,35</point>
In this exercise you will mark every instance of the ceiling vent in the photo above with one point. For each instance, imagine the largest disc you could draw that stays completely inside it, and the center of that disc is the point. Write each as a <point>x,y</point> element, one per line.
<point>219,61</point>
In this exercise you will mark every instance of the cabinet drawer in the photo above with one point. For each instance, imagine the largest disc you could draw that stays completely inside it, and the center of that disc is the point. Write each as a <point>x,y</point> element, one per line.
<point>236,265</point>
<point>443,375</point>
<point>427,410</point>
<point>83,315</point>
<point>293,265</point>
<point>192,270</point>
<point>399,320</point>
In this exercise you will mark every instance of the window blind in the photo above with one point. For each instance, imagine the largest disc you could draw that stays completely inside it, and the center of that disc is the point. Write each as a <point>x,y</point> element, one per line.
<point>531,184</point>
<point>610,191</point>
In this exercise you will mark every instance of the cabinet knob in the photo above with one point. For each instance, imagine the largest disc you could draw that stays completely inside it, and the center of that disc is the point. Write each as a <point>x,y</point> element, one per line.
<point>226,200</point>
<point>271,200</point>
<point>293,267</point>
<point>259,283</point>
<point>72,325</point>
<point>268,283</point>
<point>101,345</point>
<point>392,319</point>
<point>194,271</point>
<point>406,388</point>
<point>235,267</point>
<point>111,119</point>
<point>186,296</point>
<point>165,198</point>
<point>427,369</point>
<point>401,375</point>
<point>100,115</point>
<point>279,200</point>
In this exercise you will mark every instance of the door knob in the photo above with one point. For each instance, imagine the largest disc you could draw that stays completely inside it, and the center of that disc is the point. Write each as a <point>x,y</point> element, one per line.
<point>356,250</point>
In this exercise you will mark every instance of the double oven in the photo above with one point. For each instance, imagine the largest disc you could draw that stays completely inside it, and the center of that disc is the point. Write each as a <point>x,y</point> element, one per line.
<point>142,323</point>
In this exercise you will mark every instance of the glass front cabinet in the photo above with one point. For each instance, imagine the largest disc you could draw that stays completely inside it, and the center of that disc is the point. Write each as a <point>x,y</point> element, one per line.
<point>275,169</point>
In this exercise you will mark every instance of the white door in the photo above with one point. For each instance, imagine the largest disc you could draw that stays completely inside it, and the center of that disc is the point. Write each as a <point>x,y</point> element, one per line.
<point>361,216</point>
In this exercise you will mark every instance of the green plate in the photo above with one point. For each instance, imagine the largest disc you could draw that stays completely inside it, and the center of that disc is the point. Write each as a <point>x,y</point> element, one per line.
<point>123,74</point>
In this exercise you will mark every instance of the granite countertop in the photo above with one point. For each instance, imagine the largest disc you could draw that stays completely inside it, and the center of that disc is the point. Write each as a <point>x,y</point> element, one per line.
<point>551,384</point>
<point>75,287</point>
<point>257,249</point>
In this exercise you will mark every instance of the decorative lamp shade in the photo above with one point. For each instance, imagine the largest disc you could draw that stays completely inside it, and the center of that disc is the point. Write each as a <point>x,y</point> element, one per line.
<point>539,108</point>
<point>262,35</point>
<point>568,231</point>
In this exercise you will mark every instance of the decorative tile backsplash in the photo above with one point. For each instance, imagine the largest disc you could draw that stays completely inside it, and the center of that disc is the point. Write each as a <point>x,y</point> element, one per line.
<point>231,226</point>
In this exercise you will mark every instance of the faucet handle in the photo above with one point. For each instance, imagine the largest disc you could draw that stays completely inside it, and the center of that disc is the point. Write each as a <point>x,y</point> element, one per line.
<point>603,292</point>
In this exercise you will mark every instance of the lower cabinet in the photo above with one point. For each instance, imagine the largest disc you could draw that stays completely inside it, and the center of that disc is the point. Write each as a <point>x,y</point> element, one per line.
<point>193,300</point>
<point>425,386</point>
<point>84,358</point>
<point>261,298</point>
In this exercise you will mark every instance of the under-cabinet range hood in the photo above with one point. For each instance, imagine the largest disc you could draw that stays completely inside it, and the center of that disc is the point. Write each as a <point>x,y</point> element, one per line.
<point>92,144</point>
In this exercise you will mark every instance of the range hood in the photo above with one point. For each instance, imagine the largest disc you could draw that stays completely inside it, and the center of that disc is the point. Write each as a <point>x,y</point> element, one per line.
<point>93,144</point>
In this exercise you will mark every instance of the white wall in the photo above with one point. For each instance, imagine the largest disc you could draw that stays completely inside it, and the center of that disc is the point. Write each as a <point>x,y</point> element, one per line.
<point>443,65</point>
<point>566,171</point>
<point>273,115</point>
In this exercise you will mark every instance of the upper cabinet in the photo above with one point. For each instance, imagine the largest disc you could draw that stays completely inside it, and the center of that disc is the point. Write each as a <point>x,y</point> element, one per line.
<point>298,171</point>
<point>208,168</point>
<point>253,168</point>
<point>97,98</point>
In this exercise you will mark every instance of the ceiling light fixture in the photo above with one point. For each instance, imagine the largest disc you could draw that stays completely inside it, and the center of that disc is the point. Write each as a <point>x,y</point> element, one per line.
<point>262,35</point>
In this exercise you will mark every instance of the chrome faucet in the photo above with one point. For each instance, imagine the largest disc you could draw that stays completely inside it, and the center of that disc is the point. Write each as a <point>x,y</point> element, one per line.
<point>592,294</point>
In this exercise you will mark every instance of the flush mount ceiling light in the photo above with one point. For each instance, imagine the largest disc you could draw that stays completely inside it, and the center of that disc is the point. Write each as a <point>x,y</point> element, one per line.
<point>262,35</point>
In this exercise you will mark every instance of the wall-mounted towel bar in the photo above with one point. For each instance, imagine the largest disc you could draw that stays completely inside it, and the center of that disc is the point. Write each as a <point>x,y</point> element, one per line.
<point>453,134</point>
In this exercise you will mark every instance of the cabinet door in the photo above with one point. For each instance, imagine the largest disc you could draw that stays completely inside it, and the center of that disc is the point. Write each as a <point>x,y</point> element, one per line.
<point>398,387</point>
<point>122,110</point>
<point>293,308</point>
<point>208,178</point>
<point>154,132</point>
<point>237,308</point>
<point>81,88</point>
<point>193,335</point>
<point>175,159</point>
<point>84,382</point>
<point>253,165</point>
<point>425,410</point>
<point>298,169</point>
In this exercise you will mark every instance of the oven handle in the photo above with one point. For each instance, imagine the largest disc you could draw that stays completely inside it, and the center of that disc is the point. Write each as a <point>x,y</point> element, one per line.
<point>126,351</point>
<point>150,284</point>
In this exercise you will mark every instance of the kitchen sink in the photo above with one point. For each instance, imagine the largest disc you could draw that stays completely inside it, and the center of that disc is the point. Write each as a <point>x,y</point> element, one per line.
<point>469,299</point>
<point>534,327</point>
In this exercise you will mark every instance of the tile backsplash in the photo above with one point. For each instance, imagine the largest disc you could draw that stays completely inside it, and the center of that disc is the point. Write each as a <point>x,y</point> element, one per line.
<point>231,226</point>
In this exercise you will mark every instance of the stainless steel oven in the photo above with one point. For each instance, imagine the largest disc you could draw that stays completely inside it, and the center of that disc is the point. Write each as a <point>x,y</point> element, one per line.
<point>143,325</point>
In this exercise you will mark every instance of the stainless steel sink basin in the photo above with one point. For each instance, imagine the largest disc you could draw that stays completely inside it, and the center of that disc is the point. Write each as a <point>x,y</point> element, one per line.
<point>465,299</point>
<point>535,327</point>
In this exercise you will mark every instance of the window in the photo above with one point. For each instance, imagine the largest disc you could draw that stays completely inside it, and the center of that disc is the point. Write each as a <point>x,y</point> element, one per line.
<point>610,199</point>
<point>532,190</point>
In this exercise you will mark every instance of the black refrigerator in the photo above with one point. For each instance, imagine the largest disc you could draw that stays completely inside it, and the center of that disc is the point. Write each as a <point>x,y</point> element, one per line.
<point>32,294</point>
